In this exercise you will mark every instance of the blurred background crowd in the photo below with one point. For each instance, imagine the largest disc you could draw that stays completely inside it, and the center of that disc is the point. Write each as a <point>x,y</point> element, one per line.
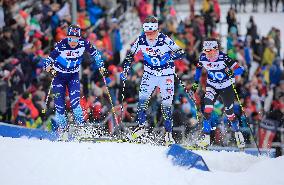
<point>29,29</point>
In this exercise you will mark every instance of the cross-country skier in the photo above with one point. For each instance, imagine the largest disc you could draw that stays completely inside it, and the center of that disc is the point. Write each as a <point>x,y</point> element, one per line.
<point>159,51</point>
<point>64,63</point>
<point>221,71</point>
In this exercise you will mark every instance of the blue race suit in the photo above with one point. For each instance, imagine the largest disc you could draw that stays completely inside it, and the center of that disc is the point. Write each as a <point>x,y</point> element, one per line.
<point>66,61</point>
<point>218,83</point>
<point>159,72</point>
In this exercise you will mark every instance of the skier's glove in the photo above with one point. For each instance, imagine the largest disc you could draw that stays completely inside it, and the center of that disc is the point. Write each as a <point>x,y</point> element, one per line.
<point>122,76</point>
<point>53,72</point>
<point>194,86</point>
<point>230,73</point>
<point>179,54</point>
<point>102,70</point>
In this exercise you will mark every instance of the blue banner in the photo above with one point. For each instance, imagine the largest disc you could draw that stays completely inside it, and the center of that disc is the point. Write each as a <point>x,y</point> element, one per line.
<point>9,130</point>
<point>186,158</point>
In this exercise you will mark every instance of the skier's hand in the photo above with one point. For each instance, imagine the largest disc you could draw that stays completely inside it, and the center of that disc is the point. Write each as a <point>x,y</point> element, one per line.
<point>230,72</point>
<point>51,71</point>
<point>122,76</point>
<point>102,70</point>
<point>194,86</point>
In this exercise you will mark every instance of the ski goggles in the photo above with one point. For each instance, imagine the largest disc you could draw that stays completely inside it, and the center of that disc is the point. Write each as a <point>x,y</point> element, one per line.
<point>149,27</point>
<point>73,39</point>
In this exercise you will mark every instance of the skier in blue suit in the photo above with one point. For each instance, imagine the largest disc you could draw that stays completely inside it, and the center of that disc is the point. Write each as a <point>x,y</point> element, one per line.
<point>159,52</point>
<point>64,63</point>
<point>221,71</point>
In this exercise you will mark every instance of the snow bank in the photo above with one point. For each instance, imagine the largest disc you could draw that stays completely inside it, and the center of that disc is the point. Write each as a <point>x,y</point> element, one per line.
<point>34,162</point>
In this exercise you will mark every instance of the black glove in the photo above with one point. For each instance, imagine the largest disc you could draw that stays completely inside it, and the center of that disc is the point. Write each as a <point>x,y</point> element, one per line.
<point>52,72</point>
<point>230,72</point>
<point>194,86</point>
<point>179,54</point>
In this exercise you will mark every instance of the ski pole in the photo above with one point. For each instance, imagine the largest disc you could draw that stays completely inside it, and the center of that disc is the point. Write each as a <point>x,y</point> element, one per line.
<point>122,98</point>
<point>242,108</point>
<point>47,97</point>
<point>190,94</point>
<point>109,96</point>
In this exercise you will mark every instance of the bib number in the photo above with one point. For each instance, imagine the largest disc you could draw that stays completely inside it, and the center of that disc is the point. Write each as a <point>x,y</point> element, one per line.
<point>155,61</point>
<point>71,63</point>
<point>217,75</point>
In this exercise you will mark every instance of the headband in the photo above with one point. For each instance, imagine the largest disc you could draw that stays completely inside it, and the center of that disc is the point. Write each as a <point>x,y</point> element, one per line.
<point>72,31</point>
<point>210,45</point>
<point>150,26</point>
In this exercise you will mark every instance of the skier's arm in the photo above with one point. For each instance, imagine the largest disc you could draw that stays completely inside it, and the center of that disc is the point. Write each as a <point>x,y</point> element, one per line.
<point>130,56</point>
<point>198,72</point>
<point>233,66</point>
<point>177,52</point>
<point>49,61</point>
<point>95,54</point>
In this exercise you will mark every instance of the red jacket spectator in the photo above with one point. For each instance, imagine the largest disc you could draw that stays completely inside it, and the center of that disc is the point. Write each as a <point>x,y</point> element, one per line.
<point>27,101</point>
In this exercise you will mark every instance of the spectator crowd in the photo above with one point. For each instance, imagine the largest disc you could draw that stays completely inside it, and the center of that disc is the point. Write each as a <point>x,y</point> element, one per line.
<point>29,30</point>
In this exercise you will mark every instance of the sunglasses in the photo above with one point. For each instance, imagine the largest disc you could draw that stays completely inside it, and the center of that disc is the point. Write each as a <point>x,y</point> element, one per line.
<point>73,40</point>
<point>209,50</point>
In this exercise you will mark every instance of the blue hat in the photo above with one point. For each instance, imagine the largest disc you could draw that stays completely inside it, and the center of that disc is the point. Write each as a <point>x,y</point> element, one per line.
<point>74,30</point>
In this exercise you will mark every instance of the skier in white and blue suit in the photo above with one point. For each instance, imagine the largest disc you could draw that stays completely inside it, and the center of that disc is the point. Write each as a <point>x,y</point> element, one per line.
<point>159,53</point>
<point>221,74</point>
<point>64,62</point>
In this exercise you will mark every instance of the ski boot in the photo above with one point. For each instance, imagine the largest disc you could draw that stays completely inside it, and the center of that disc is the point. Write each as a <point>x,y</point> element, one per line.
<point>169,140</point>
<point>204,142</point>
<point>82,132</point>
<point>240,140</point>
<point>138,132</point>
<point>63,134</point>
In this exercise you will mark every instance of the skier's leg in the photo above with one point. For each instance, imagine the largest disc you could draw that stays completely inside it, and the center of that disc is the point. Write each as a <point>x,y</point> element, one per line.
<point>228,97</point>
<point>58,90</point>
<point>209,99</point>
<point>167,93</point>
<point>74,93</point>
<point>147,86</point>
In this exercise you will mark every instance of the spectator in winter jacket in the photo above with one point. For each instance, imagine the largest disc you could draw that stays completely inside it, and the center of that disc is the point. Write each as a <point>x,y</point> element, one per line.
<point>144,9</point>
<point>217,11</point>
<point>115,41</point>
<point>7,46</point>
<point>252,28</point>
<point>232,19</point>
<point>25,108</point>
<point>269,53</point>
<point>208,14</point>
<point>275,72</point>
<point>95,10</point>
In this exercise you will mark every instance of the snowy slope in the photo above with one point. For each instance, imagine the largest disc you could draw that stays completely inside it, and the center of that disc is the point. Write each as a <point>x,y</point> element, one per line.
<point>34,162</point>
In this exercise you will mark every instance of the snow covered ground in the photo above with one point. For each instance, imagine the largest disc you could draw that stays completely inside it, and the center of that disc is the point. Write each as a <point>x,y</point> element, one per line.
<point>35,162</point>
